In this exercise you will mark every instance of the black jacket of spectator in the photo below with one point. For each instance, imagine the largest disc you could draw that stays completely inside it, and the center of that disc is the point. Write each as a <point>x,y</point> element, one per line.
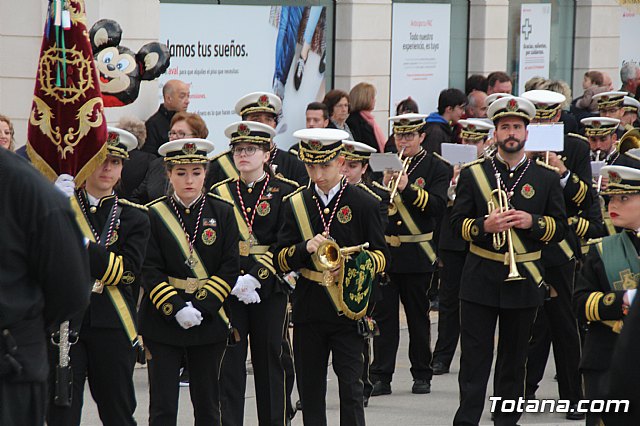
<point>158,126</point>
<point>134,172</point>
<point>361,130</point>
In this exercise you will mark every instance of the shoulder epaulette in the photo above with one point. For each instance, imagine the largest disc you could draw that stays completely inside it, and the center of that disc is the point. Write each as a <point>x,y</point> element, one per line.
<point>471,163</point>
<point>286,197</point>
<point>366,188</point>
<point>578,136</point>
<point>222,182</point>
<point>217,197</point>
<point>150,203</point>
<point>289,181</point>
<point>435,154</point>
<point>132,204</point>
<point>592,241</point>
<point>220,155</point>
<point>381,186</point>
<point>541,163</point>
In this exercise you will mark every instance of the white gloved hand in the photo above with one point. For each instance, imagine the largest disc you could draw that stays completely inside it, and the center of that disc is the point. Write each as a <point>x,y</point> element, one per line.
<point>239,289</point>
<point>188,317</point>
<point>66,185</point>
<point>251,296</point>
<point>250,282</point>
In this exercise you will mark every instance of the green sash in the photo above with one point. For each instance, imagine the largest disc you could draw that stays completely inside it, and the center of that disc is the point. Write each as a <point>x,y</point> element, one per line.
<point>620,260</point>
<point>414,230</point>
<point>227,167</point>
<point>356,296</point>
<point>482,181</point>
<point>171,223</point>
<point>121,307</point>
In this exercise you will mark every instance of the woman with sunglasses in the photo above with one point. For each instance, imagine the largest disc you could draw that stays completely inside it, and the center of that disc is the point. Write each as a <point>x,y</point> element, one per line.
<point>260,304</point>
<point>190,269</point>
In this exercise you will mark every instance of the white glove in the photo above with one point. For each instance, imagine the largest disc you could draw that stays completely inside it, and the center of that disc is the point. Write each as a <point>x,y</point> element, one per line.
<point>66,185</point>
<point>248,297</point>
<point>250,282</point>
<point>189,316</point>
<point>239,288</point>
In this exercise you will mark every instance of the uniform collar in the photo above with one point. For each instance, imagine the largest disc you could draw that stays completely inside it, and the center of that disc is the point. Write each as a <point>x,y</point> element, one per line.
<point>254,183</point>
<point>326,198</point>
<point>181,203</point>
<point>93,201</point>
<point>506,165</point>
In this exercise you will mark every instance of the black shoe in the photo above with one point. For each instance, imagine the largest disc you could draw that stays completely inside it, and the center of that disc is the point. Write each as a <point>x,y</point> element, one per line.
<point>297,77</point>
<point>439,368</point>
<point>381,388</point>
<point>421,386</point>
<point>366,401</point>
<point>323,62</point>
<point>298,406</point>
<point>574,414</point>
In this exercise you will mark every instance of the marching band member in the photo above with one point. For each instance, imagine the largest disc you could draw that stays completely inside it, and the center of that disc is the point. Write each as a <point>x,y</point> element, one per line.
<point>611,105</point>
<point>452,251</point>
<point>606,285</point>
<point>190,269</point>
<point>556,323</point>
<point>259,308</point>
<point>418,205</point>
<point>502,280</point>
<point>320,222</point>
<point>116,233</point>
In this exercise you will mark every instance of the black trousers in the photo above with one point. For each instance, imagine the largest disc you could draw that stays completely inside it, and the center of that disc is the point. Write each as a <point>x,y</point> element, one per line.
<point>105,358</point>
<point>312,343</point>
<point>263,324</point>
<point>22,403</point>
<point>555,323</point>
<point>290,369</point>
<point>164,371</point>
<point>478,326</point>
<point>411,290</point>
<point>449,311</point>
<point>366,370</point>
<point>595,386</point>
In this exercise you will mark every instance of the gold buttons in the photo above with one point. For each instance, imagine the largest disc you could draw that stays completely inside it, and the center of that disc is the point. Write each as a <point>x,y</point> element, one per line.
<point>326,210</point>
<point>510,175</point>
<point>241,271</point>
<point>93,209</point>
<point>187,211</point>
<point>399,223</point>
<point>248,209</point>
<point>250,190</point>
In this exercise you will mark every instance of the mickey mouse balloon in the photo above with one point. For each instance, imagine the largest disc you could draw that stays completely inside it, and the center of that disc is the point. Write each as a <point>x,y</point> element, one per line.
<point>120,70</point>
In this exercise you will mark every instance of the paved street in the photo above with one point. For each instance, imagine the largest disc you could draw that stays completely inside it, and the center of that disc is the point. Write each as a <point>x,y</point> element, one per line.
<point>400,408</point>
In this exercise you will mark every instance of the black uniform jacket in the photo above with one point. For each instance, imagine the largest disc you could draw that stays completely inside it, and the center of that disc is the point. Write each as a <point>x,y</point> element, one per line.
<point>44,269</point>
<point>596,302</point>
<point>539,193</point>
<point>357,221</point>
<point>217,245</point>
<point>578,197</point>
<point>286,164</point>
<point>267,222</point>
<point>425,200</point>
<point>447,240</point>
<point>119,264</point>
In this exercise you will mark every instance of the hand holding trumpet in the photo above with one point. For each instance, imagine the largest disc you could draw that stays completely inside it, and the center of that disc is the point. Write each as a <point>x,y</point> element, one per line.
<point>402,183</point>
<point>502,221</point>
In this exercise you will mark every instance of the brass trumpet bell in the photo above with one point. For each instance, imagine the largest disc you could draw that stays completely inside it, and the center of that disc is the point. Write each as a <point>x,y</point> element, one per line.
<point>630,140</point>
<point>331,256</point>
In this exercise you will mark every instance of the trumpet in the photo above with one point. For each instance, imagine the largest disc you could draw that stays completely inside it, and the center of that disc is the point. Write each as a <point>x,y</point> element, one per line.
<point>489,151</point>
<point>394,182</point>
<point>331,256</point>
<point>504,237</point>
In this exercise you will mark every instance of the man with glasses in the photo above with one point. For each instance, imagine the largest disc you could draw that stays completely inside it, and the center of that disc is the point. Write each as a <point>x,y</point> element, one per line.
<point>413,216</point>
<point>611,105</point>
<point>175,95</point>
<point>439,125</point>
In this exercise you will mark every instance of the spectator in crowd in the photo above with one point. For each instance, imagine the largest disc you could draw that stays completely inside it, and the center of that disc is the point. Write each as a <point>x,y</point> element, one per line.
<point>135,169</point>
<point>406,106</point>
<point>476,105</point>
<point>317,116</point>
<point>592,83</point>
<point>337,102</point>
<point>499,82</point>
<point>606,81</point>
<point>175,95</point>
<point>570,123</point>
<point>7,140</point>
<point>534,83</point>
<point>630,77</point>
<point>475,82</point>
<point>451,105</point>
<point>361,121</point>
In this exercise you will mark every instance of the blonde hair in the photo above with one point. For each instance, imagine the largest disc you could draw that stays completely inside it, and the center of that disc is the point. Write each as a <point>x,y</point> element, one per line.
<point>12,143</point>
<point>136,127</point>
<point>362,97</point>
<point>534,83</point>
<point>561,87</point>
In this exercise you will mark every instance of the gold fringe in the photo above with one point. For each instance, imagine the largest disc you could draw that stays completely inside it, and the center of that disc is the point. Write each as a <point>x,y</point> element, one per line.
<point>39,163</point>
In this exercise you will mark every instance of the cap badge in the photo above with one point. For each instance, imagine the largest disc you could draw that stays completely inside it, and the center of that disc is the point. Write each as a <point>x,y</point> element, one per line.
<point>596,124</point>
<point>263,101</point>
<point>113,139</point>
<point>471,127</point>
<point>189,148</point>
<point>404,122</point>
<point>243,130</point>
<point>317,145</point>
<point>614,177</point>
<point>349,148</point>
<point>512,105</point>
<point>605,98</point>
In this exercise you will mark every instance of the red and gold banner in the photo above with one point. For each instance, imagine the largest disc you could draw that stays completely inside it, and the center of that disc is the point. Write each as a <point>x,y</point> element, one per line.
<point>67,128</point>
